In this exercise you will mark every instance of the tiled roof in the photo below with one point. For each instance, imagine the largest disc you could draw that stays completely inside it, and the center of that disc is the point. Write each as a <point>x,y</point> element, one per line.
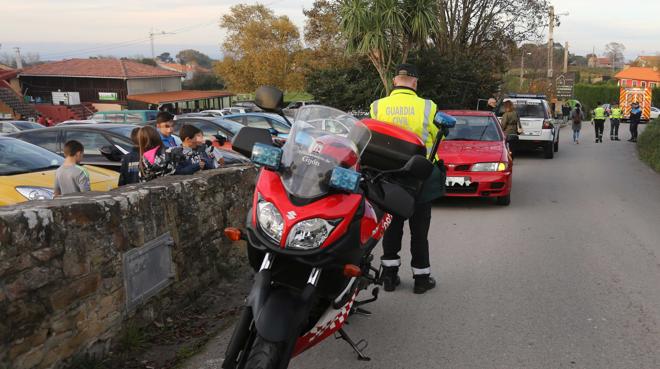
<point>640,74</point>
<point>98,68</point>
<point>175,96</point>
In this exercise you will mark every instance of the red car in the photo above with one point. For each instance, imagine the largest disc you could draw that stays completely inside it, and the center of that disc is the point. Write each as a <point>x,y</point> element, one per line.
<point>477,158</point>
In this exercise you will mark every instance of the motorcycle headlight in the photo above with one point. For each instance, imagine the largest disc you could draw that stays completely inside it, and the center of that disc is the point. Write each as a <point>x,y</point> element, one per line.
<point>35,193</point>
<point>489,167</point>
<point>309,234</point>
<point>270,220</point>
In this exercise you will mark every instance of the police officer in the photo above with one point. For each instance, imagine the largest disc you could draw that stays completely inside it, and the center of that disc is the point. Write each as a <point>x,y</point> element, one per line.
<point>615,120</point>
<point>405,109</point>
<point>599,122</point>
<point>635,118</point>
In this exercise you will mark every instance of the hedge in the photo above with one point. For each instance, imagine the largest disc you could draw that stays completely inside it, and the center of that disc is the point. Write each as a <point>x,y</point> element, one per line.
<point>590,95</point>
<point>648,145</point>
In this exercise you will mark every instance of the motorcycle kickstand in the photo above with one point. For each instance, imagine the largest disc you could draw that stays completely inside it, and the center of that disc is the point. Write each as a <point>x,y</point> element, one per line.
<point>356,309</point>
<point>355,346</point>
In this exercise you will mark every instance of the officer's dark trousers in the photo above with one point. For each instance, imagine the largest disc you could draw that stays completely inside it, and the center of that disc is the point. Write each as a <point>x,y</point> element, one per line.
<point>599,126</point>
<point>633,130</point>
<point>419,225</point>
<point>614,127</point>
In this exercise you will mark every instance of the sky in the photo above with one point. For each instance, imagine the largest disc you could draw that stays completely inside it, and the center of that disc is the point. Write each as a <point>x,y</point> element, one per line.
<point>81,28</point>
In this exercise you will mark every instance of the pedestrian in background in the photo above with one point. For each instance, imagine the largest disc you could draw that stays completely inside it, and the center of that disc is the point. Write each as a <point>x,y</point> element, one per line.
<point>155,161</point>
<point>577,116</point>
<point>599,116</point>
<point>510,120</point>
<point>615,120</point>
<point>129,171</point>
<point>566,111</point>
<point>70,177</point>
<point>635,118</point>
<point>165,124</point>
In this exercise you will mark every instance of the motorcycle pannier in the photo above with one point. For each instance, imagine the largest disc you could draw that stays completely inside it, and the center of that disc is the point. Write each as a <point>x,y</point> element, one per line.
<point>390,147</point>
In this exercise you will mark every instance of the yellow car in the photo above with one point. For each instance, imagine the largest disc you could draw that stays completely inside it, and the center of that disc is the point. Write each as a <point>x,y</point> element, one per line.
<point>27,172</point>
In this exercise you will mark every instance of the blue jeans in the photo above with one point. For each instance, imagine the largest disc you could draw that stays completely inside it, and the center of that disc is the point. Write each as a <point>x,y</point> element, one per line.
<point>576,135</point>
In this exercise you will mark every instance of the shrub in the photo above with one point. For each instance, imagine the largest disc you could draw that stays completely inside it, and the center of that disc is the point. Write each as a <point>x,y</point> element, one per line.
<point>649,145</point>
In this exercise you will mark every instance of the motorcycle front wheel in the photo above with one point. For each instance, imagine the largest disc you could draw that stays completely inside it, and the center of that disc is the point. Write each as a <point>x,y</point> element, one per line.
<point>264,354</point>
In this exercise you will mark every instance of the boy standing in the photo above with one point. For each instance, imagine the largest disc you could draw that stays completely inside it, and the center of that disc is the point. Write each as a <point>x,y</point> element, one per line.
<point>165,124</point>
<point>188,158</point>
<point>71,177</point>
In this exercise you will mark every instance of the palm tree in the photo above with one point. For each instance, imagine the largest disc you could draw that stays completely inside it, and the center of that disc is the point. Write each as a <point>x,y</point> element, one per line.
<point>387,30</point>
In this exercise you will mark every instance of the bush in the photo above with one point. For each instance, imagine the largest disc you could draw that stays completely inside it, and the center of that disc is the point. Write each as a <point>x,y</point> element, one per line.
<point>649,145</point>
<point>590,95</point>
<point>656,97</point>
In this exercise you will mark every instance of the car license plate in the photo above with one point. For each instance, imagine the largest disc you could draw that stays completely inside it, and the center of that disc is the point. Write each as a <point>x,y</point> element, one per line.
<point>457,181</point>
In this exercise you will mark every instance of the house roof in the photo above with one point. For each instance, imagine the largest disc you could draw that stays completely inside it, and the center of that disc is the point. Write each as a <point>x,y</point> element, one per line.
<point>184,68</point>
<point>98,68</point>
<point>177,96</point>
<point>640,74</point>
<point>650,58</point>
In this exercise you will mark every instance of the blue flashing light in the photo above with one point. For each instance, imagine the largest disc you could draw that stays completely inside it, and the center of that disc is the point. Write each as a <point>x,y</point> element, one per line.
<point>267,156</point>
<point>345,179</point>
<point>445,119</point>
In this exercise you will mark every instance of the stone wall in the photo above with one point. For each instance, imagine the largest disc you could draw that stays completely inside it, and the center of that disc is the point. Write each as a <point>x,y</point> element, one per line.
<point>62,287</point>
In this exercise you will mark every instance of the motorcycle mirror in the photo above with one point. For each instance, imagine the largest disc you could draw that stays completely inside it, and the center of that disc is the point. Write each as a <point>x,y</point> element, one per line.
<point>247,137</point>
<point>269,98</point>
<point>345,179</point>
<point>419,167</point>
<point>267,155</point>
<point>444,120</point>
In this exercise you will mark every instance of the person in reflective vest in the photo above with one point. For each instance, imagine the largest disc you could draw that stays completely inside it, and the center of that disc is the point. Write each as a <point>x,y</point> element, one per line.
<point>405,109</point>
<point>615,120</point>
<point>599,122</point>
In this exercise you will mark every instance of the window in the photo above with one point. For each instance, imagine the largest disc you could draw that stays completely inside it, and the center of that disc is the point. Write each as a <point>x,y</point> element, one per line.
<point>634,83</point>
<point>279,127</point>
<point>45,139</point>
<point>336,127</point>
<point>133,118</point>
<point>643,84</point>
<point>7,128</point>
<point>258,122</point>
<point>91,141</point>
<point>653,84</point>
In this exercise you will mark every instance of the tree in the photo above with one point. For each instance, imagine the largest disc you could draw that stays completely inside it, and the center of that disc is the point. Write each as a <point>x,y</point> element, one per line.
<point>165,57</point>
<point>260,48</point>
<point>204,81</point>
<point>325,45</point>
<point>614,51</point>
<point>386,31</point>
<point>190,56</point>
<point>148,61</point>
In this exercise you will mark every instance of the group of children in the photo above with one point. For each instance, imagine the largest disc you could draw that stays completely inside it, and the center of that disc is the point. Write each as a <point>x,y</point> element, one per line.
<point>157,153</point>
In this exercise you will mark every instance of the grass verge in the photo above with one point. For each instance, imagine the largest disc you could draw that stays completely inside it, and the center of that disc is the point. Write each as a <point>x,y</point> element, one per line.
<point>648,145</point>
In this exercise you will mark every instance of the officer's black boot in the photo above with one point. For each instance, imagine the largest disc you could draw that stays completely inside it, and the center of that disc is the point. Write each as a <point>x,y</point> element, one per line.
<point>423,283</point>
<point>390,278</point>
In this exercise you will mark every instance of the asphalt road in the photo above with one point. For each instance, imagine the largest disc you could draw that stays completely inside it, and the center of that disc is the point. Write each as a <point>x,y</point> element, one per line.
<point>568,276</point>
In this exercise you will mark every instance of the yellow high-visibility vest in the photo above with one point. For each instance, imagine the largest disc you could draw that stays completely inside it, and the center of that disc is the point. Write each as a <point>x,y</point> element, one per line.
<point>617,113</point>
<point>599,113</point>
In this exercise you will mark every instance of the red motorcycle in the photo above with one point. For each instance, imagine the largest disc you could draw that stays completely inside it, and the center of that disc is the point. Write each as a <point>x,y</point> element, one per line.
<point>321,204</point>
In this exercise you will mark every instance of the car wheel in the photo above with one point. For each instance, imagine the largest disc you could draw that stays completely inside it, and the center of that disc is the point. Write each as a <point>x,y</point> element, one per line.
<point>504,200</point>
<point>548,151</point>
<point>556,146</point>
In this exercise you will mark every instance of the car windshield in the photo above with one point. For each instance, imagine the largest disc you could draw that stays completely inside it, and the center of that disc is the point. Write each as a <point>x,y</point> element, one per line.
<point>18,157</point>
<point>527,108</point>
<point>23,126</point>
<point>474,128</point>
<point>311,152</point>
<point>229,125</point>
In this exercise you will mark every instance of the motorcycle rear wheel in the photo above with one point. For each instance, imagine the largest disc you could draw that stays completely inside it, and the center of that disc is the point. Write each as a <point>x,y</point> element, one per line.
<point>264,354</point>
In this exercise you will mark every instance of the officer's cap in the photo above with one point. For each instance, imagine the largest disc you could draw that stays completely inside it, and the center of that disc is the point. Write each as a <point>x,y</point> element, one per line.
<point>405,69</point>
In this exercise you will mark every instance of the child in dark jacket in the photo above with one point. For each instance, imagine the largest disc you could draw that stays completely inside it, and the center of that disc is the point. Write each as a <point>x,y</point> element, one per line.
<point>155,161</point>
<point>188,157</point>
<point>129,172</point>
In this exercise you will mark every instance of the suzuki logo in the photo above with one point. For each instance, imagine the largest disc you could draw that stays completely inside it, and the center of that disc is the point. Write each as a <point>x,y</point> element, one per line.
<point>291,215</point>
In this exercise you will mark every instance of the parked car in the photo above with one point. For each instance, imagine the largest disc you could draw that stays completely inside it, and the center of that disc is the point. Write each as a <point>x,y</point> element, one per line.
<point>477,158</point>
<point>540,130</point>
<point>125,116</point>
<point>27,172</point>
<point>82,121</point>
<point>655,112</point>
<point>293,107</point>
<point>12,126</point>
<point>229,111</point>
<point>104,144</point>
<point>274,123</point>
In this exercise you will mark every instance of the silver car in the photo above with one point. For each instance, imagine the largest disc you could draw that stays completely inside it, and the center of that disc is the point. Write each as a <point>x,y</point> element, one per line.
<point>540,130</point>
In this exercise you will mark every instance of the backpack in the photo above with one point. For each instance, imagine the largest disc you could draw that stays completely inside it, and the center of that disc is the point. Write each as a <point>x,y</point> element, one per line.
<point>577,116</point>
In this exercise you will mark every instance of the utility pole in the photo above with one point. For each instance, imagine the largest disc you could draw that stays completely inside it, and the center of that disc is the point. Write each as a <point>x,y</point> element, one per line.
<point>19,60</point>
<point>522,68</point>
<point>151,39</point>
<point>551,41</point>
<point>566,58</point>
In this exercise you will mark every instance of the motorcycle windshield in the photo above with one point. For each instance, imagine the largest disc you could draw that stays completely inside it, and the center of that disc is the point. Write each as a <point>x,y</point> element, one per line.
<point>321,139</point>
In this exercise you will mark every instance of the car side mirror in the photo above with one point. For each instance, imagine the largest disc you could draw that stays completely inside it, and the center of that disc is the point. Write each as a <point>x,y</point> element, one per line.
<point>111,153</point>
<point>269,98</point>
<point>244,141</point>
<point>512,138</point>
<point>419,167</point>
<point>443,120</point>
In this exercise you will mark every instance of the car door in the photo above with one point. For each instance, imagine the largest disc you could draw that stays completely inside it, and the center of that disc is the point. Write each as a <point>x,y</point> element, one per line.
<point>48,139</point>
<point>6,128</point>
<point>92,142</point>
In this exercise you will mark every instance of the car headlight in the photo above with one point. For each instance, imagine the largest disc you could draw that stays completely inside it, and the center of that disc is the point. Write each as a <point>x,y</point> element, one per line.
<point>35,193</point>
<point>489,167</point>
<point>309,234</point>
<point>270,220</point>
